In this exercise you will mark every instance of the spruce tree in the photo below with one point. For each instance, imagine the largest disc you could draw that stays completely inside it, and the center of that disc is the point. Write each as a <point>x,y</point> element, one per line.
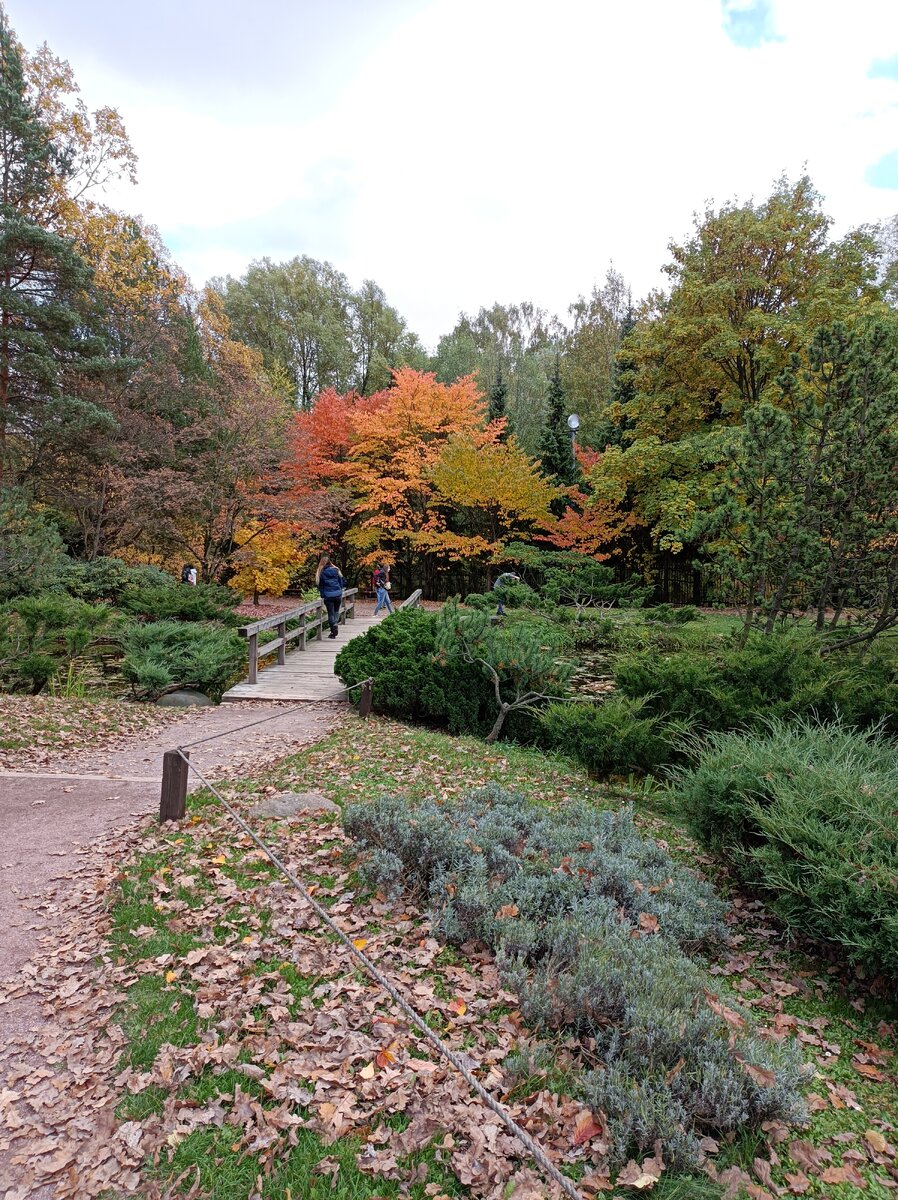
<point>498,397</point>
<point>43,287</point>
<point>556,452</point>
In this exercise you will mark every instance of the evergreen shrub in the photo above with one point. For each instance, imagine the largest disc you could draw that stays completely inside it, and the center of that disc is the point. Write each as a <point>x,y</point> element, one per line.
<point>399,654</point>
<point>45,634</point>
<point>722,686</point>
<point>109,578</point>
<point>614,737</point>
<point>669,614</point>
<point>162,655</point>
<point>805,813</point>
<point>180,602</point>
<point>592,926</point>
<point>31,551</point>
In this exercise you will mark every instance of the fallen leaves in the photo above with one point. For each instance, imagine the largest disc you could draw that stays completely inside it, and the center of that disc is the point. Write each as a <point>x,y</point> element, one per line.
<point>38,730</point>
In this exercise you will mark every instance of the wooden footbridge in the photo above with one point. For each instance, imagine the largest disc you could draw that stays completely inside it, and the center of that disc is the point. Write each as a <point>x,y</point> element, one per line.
<point>299,663</point>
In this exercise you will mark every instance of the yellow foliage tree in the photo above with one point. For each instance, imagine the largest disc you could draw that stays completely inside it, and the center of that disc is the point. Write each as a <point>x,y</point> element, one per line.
<point>269,555</point>
<point>492,493</point>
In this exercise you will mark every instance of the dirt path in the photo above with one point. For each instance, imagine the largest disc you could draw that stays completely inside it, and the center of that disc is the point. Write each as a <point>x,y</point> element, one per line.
<point>53,813</point>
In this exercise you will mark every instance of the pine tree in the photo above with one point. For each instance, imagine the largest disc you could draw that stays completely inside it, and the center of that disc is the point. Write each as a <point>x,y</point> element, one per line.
<point>43,284</point>
<point>557,453</point>
<point>498,397</point>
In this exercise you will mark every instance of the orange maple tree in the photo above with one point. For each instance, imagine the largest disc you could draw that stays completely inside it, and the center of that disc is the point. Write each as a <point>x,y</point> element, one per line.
<point>396,441</point>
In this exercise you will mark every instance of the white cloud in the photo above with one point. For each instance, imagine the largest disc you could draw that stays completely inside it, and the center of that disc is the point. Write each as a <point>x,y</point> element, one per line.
<point>502,149</point>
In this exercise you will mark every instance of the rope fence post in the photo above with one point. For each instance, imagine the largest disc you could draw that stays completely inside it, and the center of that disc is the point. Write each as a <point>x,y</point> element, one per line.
<point>365,700</point>
<point>175,771</point>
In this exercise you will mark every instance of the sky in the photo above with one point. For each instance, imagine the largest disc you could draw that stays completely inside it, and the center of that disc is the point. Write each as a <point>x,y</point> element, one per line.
<point>462,152</point>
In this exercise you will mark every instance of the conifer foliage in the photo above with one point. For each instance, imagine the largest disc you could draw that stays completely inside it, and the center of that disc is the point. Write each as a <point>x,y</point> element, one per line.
<point>42,286</point>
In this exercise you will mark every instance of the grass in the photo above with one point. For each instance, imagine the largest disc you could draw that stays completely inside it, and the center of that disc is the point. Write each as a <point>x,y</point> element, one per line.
<point>360,760</point>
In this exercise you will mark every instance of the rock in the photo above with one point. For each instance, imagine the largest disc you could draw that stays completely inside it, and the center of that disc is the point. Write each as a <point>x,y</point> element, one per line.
<point>185,698</point>
<point>291,804</point>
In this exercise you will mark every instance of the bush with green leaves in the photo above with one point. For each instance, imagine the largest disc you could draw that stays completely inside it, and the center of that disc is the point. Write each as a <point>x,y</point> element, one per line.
<point>512,595</point>
<point>409,683</point>
<point>612,737</point>
<point>722,686</point>
<point>670,614</point>
<point>522,660</point>
<point>565,577</point>
<point>109,579</point>
<point>805,813</point>
<point>592,926</point>
<point>45,635</point>
<point>163,655</point>
<point>31,552</point>
<point>180,602</point>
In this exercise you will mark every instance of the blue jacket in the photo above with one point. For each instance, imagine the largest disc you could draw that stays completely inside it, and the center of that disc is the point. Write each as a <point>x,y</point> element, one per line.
<point>331,582</point>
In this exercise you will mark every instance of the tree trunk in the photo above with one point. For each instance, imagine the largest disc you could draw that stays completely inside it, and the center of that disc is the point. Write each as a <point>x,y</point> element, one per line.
<point>499,722</point>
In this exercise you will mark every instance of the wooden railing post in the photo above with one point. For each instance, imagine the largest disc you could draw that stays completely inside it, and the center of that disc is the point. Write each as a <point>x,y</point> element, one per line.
<point>173,800</point>
<point>302,634</point>
<point>282,648</point>
<point>252,643</point>
<point>365,700</point>
<point>320,624</point>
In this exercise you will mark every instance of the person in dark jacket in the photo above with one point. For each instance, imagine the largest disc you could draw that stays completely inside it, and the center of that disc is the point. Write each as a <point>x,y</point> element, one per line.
<point>330,584</point>
<point>499,587</point>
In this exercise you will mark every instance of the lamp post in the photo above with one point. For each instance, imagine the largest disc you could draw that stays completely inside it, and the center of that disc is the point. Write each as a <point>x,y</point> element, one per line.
<point>573,424</point>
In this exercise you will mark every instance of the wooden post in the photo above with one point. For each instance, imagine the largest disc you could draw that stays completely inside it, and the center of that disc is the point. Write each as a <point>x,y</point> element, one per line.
<point>302,634</point>
<point>252,643</point>
<point>320,610</point>
<point>173,801</point>
<point>365,701</point>
<point>282,648</point>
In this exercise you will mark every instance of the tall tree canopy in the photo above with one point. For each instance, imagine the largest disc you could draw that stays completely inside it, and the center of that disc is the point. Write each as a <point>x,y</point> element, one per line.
<point>749,289</point>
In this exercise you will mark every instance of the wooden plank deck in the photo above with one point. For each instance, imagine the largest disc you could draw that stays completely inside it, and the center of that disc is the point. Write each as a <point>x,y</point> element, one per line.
<point>307,674</point>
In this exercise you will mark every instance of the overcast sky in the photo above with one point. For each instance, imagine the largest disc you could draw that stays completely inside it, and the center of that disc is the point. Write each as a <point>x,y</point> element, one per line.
<point>461,152</point>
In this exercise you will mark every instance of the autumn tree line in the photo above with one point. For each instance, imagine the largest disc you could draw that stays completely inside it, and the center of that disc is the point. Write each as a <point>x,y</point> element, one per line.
<point>743,419</point>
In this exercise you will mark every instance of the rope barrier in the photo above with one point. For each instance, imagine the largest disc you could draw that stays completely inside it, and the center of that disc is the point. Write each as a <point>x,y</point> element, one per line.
<point>533,1148</point>
<point>274,716</point>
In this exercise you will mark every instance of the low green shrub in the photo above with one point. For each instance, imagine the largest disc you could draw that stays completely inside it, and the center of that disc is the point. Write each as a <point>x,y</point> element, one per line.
<point>482,601</point>
<point>45,634</point>
<point>180,602</point>
<point>522,660</point>
<point>162,655</point>
<point>399,654</point>
<point>512,595</point>
<point>592,925</point>
<point>615,737</point>
<point>669,614</point>
<point>805,813</point>
<point>721,686</point>
<point>109,578</point>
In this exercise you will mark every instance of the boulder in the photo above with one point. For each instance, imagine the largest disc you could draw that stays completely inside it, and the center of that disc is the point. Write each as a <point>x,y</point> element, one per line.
<point>184,698</point>
<point>292,804</point>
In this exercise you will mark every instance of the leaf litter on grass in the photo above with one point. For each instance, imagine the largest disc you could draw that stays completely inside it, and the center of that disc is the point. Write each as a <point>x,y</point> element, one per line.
<point>34,730</point>
<point>207,1027</point>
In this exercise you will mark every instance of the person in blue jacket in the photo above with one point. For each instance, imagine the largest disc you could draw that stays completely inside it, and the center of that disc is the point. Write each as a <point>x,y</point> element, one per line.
<point>330,584</point>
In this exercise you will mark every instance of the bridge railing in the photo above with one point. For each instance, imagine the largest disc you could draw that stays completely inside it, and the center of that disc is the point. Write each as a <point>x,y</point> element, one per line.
<point>312,617</point>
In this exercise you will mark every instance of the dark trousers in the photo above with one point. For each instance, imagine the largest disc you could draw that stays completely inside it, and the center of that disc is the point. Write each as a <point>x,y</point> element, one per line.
<point>332,604</point>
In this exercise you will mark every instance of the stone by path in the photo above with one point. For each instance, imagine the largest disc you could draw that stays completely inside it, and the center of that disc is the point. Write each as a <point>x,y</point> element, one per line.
<point>51,815</point>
